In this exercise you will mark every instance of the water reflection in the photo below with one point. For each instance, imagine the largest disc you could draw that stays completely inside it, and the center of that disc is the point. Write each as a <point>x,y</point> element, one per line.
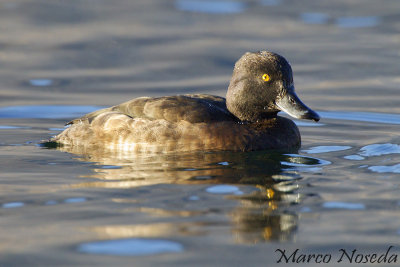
<point>314,18</point>
<point>385,169</point>
<point>73,111</point>
<point>45,112</point>
<point>150,230</point>
<point>131,247</point>
<point>295,160</point>
<point>342,22</point>
<point>326,149</point>
<point>361,116</point>
<point>344,205</point>
<point>41,82</point>
<point>379,150</point>
<point>133,170</point>
<point>211,7</point>
<point>224,189</point>
<point>75,200</point>
<point>12,127</point>
<point>11,205</point>
<point>354,157</point>
<point>261,214</point>
<point>270,2</point>
<point>357,22</point>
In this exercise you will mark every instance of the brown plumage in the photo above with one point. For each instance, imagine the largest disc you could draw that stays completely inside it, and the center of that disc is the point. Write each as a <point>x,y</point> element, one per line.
<point>202,122</point>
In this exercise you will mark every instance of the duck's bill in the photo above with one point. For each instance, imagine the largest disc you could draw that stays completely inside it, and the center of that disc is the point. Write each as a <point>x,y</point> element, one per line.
<point>292,105</point>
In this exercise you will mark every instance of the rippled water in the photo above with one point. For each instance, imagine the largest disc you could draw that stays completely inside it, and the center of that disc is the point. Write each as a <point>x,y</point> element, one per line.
<point>83,208</point>
<point>131,247</point>
<point>212,7</point>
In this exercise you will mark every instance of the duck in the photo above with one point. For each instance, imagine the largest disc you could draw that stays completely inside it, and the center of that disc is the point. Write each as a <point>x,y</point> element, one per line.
<point>246,120</point>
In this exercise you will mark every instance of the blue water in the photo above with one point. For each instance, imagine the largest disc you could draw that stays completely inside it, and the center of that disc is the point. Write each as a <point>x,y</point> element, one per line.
<point>212,7</point>
<point>41,82</point>
<point>273,189</point>
<point>315,18</point>
<point>45,112</point>
<point>341,22</point>
<point>344,205</point>
<point>131,247</point>
<point>357,22</point>
<point>224,189</point>
<point>74,207</point>
<point>305,164</point>
<point>71,111</point>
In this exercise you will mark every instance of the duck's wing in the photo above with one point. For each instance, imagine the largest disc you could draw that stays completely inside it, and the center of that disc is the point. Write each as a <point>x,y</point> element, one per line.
<point>190,108</point>
<point>90,116</point>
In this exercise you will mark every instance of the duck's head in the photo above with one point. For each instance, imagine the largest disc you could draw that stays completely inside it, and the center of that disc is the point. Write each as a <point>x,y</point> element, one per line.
<point>261,86</point>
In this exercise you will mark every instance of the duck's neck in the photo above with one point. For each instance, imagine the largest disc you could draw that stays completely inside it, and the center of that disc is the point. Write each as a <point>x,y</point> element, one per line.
<point>263,119</point>
<point>247,106</point>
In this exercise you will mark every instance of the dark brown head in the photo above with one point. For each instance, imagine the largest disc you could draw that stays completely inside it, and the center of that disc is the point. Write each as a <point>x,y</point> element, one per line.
<point>261,86</point>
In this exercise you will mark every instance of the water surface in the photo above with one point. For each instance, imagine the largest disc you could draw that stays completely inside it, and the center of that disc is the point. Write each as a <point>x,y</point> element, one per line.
<point>70,207</point>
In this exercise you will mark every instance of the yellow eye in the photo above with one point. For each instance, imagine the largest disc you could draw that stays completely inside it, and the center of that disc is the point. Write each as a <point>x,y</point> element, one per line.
<point>266,77</point>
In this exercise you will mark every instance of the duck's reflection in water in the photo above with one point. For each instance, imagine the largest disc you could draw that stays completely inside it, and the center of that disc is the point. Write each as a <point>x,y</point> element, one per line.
<point>261,214</point>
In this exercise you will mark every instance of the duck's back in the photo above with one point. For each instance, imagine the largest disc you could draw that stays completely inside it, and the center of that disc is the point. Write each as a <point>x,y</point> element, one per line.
<point>175,123</point>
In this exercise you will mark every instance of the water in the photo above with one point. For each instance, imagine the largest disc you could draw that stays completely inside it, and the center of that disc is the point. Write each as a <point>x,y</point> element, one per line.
<point>314,18</point>
<point>131,247</point>
<point>85,208</point>
<point>342,22</point>
<point>212,7</point>
<point>41,82</point>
